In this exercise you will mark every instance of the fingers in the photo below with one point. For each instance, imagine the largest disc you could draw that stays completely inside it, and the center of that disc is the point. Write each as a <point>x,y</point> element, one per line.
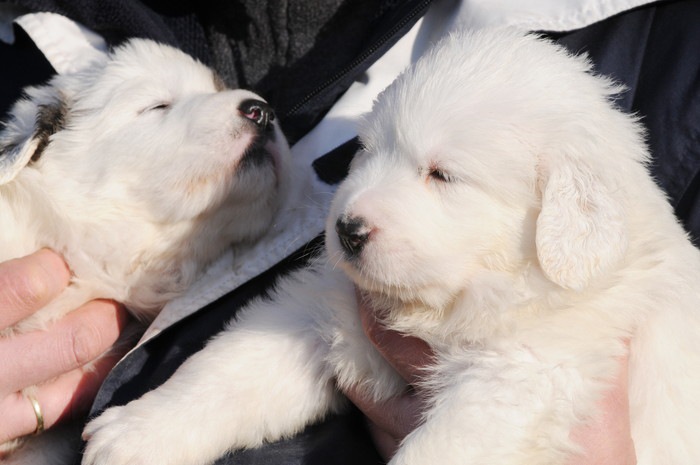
<point>58,355</point>
<point>390,421</point>
<point>408,355</point>
<point>52,359</point>
<point>67,396</point>
<point>29,283</point>
<point>75,340</point>
<point>395,417</point>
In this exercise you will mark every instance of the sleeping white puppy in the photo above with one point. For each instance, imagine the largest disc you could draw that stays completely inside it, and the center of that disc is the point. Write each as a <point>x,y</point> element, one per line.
<point>140,171</point>
<point>502,211</point>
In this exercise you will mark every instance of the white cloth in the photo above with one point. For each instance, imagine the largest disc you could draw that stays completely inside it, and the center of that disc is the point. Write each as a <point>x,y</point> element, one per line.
<point>540,15</point>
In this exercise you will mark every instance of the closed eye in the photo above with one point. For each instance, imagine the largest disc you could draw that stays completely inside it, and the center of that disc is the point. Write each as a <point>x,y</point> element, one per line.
<point>437,174</point>
<point>161,106</point>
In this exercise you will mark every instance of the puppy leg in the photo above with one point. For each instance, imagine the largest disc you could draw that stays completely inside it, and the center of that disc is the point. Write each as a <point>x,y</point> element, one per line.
<point>262,379</point>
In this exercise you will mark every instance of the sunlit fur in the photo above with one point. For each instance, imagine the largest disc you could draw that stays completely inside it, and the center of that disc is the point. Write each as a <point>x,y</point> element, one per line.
<point>136,197</point>
<point>139,183</point>
<point>514,226</point>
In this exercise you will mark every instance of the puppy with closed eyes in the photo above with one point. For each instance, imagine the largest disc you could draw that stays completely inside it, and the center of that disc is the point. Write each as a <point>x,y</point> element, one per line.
<point>139,170</point>
<point>502,211</point>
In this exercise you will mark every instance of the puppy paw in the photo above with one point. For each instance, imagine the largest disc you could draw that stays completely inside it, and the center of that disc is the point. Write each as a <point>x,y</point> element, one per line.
<point>119,437</point>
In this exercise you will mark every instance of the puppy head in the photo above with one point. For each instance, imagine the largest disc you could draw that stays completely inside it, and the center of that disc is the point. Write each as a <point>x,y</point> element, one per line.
<point>149,135</point>
<point>495,155</point>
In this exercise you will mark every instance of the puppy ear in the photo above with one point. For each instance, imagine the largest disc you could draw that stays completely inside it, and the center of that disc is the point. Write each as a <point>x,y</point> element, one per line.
<point>25,137</point>
<point>580,228</point>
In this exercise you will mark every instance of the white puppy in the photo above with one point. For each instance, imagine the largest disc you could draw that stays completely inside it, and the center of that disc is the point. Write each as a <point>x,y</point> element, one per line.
<point>501,210</point>
<point>140,171</point>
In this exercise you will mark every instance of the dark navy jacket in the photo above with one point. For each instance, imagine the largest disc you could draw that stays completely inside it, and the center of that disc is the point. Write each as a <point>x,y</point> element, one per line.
<point>653,50</point>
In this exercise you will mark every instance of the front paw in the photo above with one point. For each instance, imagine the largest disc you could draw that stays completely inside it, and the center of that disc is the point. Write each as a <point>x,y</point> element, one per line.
<point>120,436</point>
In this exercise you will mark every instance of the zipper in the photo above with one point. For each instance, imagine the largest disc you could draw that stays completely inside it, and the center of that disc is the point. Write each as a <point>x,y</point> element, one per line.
<point>361,58</point>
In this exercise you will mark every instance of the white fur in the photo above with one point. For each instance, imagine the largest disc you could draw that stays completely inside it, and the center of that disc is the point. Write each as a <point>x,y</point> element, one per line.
<point>147,178</point>
<point>513,225</point>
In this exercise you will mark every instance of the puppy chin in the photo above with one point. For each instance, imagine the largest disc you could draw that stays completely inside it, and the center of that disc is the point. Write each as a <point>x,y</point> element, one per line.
<point>377,282</point>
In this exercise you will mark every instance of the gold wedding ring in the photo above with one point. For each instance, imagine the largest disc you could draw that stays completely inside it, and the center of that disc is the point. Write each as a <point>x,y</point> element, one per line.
<point>39,415</point>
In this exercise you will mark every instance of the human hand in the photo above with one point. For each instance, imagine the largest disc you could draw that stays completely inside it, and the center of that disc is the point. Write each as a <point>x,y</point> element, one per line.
<point>605,441</point>
<point>52,359</point>
<point>390,421</point>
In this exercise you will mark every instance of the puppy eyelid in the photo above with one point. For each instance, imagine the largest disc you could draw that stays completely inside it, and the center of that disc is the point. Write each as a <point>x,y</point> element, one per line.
<point>437,174</point>
<point>160,106</point>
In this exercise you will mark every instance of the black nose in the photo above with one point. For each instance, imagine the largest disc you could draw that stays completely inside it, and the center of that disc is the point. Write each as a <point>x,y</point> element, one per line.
<point>258,112</point>
<point>353,234</point>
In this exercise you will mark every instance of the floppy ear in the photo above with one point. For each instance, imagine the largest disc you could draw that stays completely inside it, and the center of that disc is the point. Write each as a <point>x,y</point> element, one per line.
<point>26,135</point>
<point>580,228</point>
